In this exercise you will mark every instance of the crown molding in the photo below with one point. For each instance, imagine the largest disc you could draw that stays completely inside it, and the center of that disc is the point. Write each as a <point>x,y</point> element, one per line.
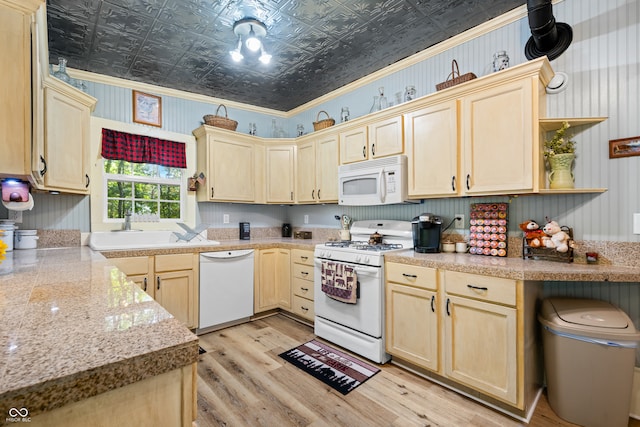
<point>24,6</point>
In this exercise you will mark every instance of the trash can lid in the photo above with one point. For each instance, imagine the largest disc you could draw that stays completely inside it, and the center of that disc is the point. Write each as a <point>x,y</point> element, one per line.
<point>592,318</point>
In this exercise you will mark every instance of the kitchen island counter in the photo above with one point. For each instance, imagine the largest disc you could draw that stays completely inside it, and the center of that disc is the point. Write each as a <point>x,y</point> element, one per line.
<point>518,268</point>
<point>73,327</point>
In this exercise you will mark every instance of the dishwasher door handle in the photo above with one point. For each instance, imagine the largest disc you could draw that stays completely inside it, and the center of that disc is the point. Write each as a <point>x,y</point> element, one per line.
<point>205,256</point>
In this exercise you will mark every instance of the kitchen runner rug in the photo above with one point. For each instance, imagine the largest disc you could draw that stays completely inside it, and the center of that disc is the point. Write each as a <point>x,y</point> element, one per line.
<point>334,368</point>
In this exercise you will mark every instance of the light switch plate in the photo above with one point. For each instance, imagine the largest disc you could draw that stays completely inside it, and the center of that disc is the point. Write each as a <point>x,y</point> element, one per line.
<point>636,223</point>
<point>225,218</point>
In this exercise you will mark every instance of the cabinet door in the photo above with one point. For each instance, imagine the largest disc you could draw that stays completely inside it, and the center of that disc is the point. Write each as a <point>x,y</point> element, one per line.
<point>386,137</point>
<point>231,169</point>
<point>498,138</point>
<point>306,176</point>
<point>280,174</point>
<point>432,149</point>
<point>15,93</point>
<point>65,142</point>
<point>326,169</point>
<point>273,287</point>
<point>412,325</point>
<point>353,145</point>
<point>145,283</point>
<point>174,291</point>
<point>480,346</point>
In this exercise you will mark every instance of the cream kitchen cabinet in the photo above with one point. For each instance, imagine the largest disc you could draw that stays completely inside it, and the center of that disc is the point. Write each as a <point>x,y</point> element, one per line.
<point>302,283</point>
<point>228,160</point>
<point>280,173</point>
<point>380,138</point>
<point>273,280</point>
<point>432,150</point>
<point>61,148</point>
<point>317,171</point>
<point>412,314</point>
<point>15,90</point>
<point>172,280</point>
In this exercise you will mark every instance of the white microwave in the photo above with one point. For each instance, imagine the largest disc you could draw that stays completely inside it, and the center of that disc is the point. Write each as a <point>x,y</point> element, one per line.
<point>373,182</point>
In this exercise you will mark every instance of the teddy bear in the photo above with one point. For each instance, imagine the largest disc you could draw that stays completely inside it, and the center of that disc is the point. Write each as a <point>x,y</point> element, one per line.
<point>555,237</point>
<point>532,233</point>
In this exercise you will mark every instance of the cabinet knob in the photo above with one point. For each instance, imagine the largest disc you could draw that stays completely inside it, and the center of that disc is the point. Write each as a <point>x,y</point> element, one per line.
<point>318,194</point>
<point>292,195</point>
<point>453,183</point>
<point>478,288</point>
<point>145,284</point>
<point>448,312</point>
<point>433,300</point>
<point>373,149</point>
<point>468,182</point>
<point>411,276</point>
<point>88,181</point>
<point>313,192</point>
<point>364,152</point>
<point>212,192</point>
<point>158,281</point>
<point>304,289</point>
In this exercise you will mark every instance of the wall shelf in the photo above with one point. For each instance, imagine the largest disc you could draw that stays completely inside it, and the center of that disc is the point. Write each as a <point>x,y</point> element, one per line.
<point>554,124</point>
<point>571,190</point>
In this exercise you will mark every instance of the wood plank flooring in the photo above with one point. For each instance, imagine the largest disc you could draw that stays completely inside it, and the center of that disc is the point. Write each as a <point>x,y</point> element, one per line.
<point>243,382</point>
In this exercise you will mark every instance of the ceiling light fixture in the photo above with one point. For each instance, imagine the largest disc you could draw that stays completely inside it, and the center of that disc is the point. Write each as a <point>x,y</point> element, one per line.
<point>253,31</point>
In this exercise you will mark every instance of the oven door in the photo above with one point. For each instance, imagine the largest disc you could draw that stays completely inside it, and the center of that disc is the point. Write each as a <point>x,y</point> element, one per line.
<point>366,314</point>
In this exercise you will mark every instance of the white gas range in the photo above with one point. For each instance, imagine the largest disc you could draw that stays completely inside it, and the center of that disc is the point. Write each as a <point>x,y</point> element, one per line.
<point>358,326</point>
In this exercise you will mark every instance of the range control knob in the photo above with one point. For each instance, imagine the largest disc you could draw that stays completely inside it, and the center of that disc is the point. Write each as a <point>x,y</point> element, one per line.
<point>366,260</point>
<point>358,258</point>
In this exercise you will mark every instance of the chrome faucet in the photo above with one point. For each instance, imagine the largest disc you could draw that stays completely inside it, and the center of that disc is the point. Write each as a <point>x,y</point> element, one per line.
<point>127,221</point>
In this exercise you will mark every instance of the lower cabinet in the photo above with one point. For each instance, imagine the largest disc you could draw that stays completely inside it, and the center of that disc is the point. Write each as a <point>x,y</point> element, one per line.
<point>412,314</point>
<point>473,332</point>
<point>273,280</point>
<point>172,280</point>
<point>302,283</point>
<point>480,333</point>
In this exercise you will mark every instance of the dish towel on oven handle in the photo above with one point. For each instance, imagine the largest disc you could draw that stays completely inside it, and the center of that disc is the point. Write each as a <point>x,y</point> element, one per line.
<point>339,281</point>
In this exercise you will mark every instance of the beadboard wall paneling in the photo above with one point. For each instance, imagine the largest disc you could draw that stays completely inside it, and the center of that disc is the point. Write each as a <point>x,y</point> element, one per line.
<point>55,212</point>
<point>258,215</point>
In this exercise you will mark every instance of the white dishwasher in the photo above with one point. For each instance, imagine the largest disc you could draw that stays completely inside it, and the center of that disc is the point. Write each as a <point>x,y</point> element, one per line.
<point>226,289</point>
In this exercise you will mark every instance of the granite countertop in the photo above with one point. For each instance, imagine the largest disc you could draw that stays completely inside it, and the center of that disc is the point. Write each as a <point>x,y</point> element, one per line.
<point>72,326</point>
<point>518,268</point>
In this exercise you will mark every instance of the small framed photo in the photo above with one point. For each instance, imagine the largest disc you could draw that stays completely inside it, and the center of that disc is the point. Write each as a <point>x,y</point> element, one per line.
<point>147,109</point>
<point>625,147</point>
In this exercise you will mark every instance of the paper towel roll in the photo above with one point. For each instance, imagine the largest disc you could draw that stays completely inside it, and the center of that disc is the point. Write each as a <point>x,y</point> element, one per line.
<point>20,206</point>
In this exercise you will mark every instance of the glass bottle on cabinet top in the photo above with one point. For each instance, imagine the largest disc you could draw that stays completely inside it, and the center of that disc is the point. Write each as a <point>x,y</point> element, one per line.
<point>61,73</point>
<point>344,114</point>
<point>376,104</point>
<point>410,93</point>
<point>383,99</point>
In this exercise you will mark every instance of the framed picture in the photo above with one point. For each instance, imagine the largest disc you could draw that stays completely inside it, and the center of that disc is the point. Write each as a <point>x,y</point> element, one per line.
<point>147,109</point>
<point>625,147</point>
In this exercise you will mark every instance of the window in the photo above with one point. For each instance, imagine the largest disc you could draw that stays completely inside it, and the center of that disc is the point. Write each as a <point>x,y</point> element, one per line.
<point>151,192</point>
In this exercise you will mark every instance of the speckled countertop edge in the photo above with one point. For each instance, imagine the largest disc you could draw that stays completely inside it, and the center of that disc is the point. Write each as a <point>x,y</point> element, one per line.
<point>72,326</point>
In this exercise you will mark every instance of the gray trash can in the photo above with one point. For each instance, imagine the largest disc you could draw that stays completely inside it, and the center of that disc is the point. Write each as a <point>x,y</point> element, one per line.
<point>589,356</point>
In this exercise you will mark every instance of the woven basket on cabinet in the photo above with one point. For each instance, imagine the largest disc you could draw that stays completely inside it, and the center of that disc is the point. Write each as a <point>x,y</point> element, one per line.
<point>220,121</point>
<point>323,124</point>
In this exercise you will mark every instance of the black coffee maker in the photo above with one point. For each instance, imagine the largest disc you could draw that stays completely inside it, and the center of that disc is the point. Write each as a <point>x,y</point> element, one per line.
<point>427,230</point>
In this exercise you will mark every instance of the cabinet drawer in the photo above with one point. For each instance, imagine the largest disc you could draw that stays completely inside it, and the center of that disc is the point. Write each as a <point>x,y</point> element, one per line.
<point>303,271</point>
<point>302,257</point>
<point>303,288</point>
<point>132,266</point>
<point>485,288</point>
<point>303,307</point>
<point>174,262</point>
<point>412,275</point>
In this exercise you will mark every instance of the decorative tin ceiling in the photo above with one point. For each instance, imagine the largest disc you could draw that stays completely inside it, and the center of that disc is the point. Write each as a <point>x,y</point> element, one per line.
<point>317,45</point>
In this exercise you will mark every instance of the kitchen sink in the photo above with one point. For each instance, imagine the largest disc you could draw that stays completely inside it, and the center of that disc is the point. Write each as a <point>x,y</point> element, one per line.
<point>136,239</point>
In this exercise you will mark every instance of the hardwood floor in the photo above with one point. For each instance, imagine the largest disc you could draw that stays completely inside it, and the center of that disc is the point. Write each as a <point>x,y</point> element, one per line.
<point>243,382</point>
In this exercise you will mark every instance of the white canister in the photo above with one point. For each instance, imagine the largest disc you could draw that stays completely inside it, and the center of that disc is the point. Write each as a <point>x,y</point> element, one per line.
<point>26,239</point>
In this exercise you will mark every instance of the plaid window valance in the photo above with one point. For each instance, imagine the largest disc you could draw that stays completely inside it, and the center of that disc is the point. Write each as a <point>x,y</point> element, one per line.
<point>118,145</point>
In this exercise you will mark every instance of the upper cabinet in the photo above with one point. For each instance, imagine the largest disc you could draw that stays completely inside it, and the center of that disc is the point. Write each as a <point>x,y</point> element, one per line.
<point>228,162</point>
<point>379,138</point>
<point>61,150</point>
<point>280,173</point>
<point>15,91</point>
<point>317,165</point>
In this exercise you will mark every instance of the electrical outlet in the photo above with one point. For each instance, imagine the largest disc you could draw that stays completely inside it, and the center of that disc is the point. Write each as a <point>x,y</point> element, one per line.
<point>306,219</point>
<point>459,222</point>
<point>225,218</point>
<point>15,216</point>
<point>636,223</point>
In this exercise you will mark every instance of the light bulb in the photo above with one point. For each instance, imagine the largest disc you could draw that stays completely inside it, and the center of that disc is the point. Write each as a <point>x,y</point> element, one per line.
<point>265,58</point>
<point>236,55</point>
<point>252,42</point>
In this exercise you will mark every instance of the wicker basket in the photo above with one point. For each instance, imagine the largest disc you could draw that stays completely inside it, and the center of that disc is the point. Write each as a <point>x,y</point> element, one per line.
<point>323,124</point>
<point>219,121</point>
<point>454,77</point>
<point>549,254</point>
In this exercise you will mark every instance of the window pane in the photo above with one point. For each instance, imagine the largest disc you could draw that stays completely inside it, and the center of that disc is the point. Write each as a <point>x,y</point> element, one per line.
<point>144,169</point>
<point>171,173</point>
<point>146,208</point>
<point>117,208</point>
<point>146,191</point>
<point>170,192</point>
<point>120,167</point>
<point>119,189</point>
<point>169,210</point>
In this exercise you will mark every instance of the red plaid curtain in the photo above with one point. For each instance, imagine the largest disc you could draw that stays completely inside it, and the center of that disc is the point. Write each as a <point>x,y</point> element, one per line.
<point>142,149</point>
